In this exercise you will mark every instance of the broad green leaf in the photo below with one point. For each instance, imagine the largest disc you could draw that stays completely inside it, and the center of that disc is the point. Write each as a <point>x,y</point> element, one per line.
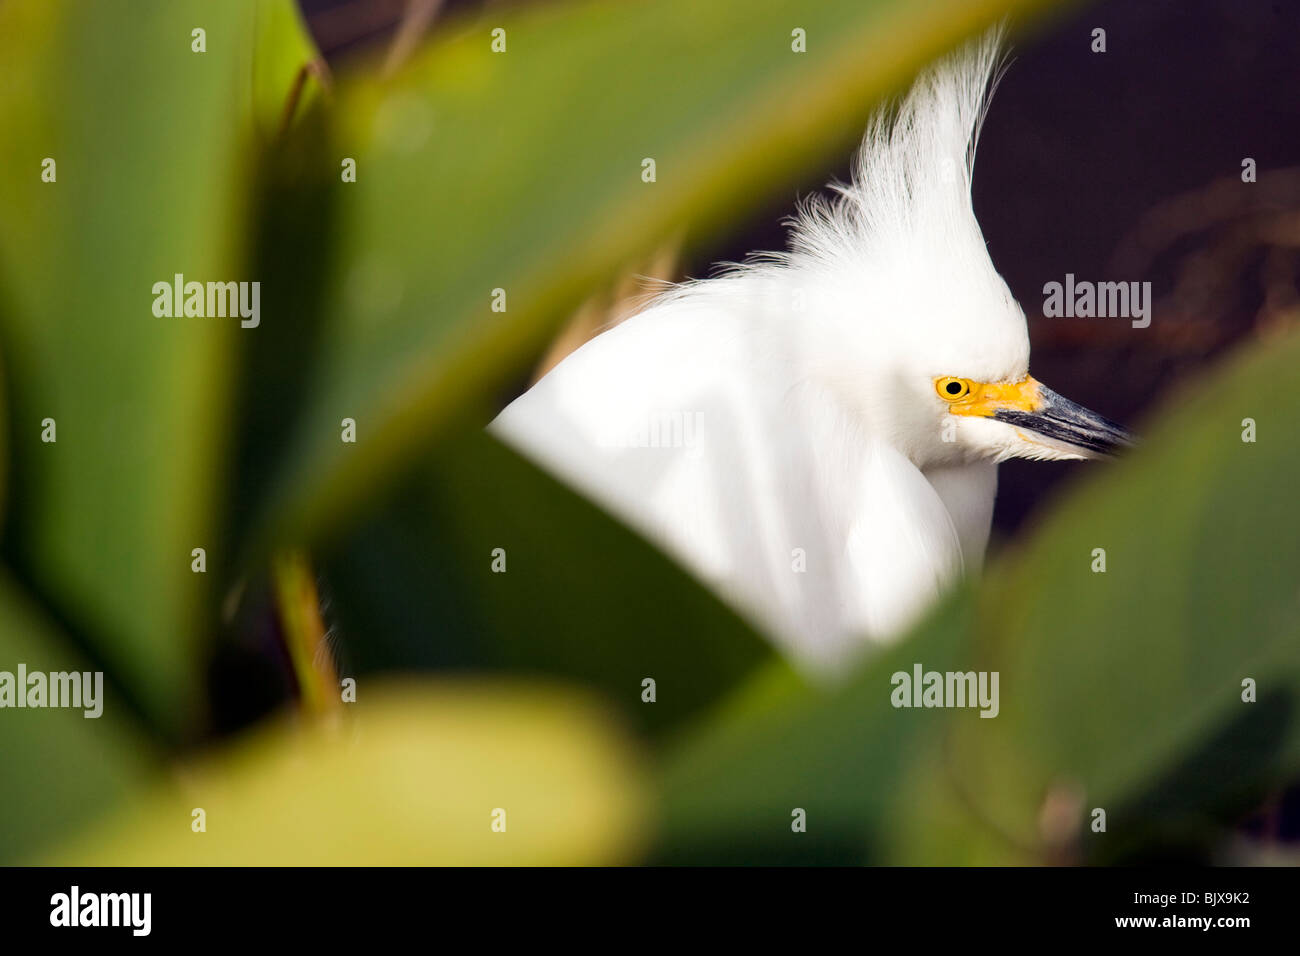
<point>1124,688</point>
<point>1119,690</point>
<point>522,171</point>
<point>412,776</point>
<point>731,788</point>
<point>59,769</point>
<point>484,561</point>
<point>153,145</point>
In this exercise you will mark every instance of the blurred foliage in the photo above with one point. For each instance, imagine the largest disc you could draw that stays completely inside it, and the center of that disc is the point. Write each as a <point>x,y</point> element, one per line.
<point>59,768</point>
<point>415,587</point>
<point>414,780</point>
<point>477,171</point>
<point>153,172</point>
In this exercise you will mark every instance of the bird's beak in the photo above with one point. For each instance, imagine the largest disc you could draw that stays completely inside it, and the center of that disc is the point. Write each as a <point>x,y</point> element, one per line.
<point>1062,420</point>
<point>1033,407</point>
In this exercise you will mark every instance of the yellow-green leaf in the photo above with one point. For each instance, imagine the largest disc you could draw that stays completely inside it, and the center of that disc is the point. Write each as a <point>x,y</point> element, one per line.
<point>416,774</point>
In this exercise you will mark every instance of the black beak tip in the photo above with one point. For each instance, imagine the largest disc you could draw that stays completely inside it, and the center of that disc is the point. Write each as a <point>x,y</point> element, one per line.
<point>1064,421</point>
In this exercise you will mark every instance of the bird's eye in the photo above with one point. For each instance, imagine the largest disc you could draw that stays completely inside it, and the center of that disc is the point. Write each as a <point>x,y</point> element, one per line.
<point>952,389</point>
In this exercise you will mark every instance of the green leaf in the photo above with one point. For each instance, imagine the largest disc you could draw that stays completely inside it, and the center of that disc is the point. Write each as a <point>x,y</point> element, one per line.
<point>154,145</point>
<point>414,776</point>
<point>522,171</point>
<point>731,787</point>
<point>484,561</point>
<point>1124,688</point>
<point>62,769</point>
<point>1119,690</point>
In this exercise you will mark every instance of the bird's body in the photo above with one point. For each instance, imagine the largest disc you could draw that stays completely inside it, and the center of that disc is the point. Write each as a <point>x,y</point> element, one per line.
<point>718,445</point>
<point>789,431</point>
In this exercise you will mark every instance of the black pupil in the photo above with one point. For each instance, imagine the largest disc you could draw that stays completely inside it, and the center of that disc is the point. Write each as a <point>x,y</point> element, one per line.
<point>953,388</point>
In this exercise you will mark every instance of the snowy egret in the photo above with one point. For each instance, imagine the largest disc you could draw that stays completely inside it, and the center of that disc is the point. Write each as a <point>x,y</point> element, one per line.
<point>816,433</point>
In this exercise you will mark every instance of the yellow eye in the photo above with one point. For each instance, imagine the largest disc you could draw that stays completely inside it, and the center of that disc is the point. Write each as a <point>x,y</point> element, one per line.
<point>952,389</point>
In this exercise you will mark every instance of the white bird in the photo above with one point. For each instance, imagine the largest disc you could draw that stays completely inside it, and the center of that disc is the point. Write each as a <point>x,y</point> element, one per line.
<point>816,433</point>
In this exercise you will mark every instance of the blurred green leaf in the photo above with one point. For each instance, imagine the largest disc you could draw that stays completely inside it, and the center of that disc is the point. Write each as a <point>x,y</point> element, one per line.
<point>581,596</point>
<point>522,171</point>
<point>731,787</point>
<point>60,768</point>
<point>154,146</point>
<point>282,84</point>
<point>412,777</point>
<point>1126,687</point>
<point>1120,690</point>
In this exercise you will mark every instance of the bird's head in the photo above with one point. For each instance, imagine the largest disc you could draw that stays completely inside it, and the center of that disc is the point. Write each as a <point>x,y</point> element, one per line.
<point>968,368</point>
<point>924,339</point>
<point>944,374</point>
<point>1020,419</point>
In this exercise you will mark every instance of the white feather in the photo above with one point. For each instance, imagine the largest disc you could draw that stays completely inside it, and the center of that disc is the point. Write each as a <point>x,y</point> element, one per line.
<point>786,408</point>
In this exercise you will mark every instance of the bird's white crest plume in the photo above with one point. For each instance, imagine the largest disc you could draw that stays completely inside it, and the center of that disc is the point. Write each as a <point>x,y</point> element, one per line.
<point>911,183</point>
<point>815,433</point>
